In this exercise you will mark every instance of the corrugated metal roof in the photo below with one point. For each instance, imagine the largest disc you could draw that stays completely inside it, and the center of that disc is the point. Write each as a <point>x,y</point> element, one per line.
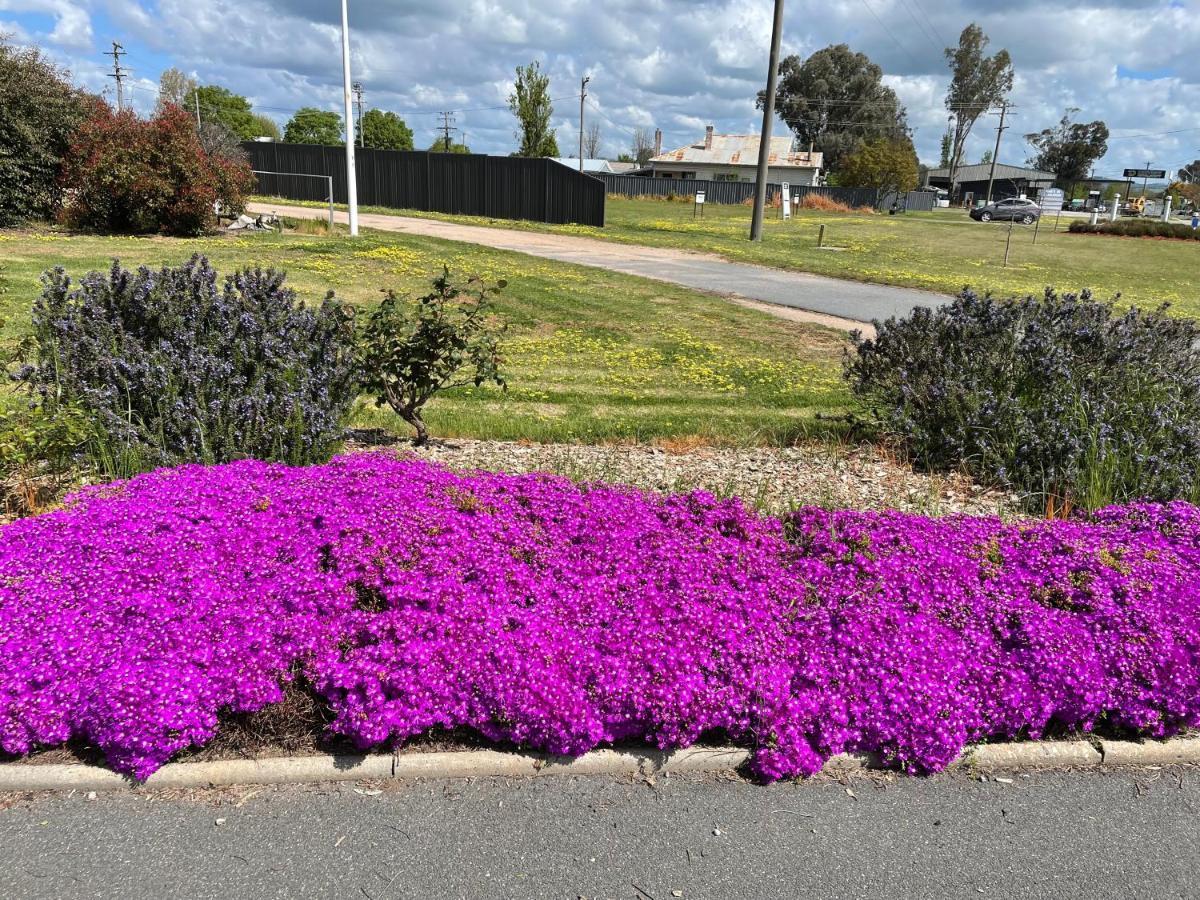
<point>740,150</point>
<point>589,165</point>
<point>982,171</point>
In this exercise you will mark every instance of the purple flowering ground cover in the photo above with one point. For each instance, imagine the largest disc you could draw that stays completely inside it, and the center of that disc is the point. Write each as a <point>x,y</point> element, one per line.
<point>560,617</point>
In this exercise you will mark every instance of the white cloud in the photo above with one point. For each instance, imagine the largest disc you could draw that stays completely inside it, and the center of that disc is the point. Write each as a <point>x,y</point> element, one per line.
<point>675,64</point>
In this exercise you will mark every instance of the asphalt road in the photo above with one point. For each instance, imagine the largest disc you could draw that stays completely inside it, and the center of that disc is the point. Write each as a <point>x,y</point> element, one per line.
<point>846,300</point>
<point>1129,834</point>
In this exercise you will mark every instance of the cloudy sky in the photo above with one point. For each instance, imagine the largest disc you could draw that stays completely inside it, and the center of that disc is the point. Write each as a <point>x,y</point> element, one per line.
<point>674,64</point>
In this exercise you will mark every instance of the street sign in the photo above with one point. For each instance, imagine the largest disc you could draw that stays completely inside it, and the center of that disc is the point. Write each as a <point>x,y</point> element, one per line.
<point>699,205</point>
<point>1051,199</point>
<point>699,196</point>
<point>786,206</point>
<point>1145,173</point>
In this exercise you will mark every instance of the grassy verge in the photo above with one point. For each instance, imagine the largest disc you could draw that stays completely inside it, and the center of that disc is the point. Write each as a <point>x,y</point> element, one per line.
<point>592,355</point>
<point>939,251</point>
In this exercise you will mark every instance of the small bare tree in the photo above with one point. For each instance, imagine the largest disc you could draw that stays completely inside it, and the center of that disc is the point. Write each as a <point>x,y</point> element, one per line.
<point>591,141</point>
<point>643,146</point>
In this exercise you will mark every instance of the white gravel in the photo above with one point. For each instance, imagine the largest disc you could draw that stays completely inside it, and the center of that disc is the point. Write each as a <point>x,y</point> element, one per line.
<point>773,480</point>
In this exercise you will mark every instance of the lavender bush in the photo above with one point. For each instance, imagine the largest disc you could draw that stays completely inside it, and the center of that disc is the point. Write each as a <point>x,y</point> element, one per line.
<point>171,367</point>
<point>1062,397</point>
<point>561,617</point>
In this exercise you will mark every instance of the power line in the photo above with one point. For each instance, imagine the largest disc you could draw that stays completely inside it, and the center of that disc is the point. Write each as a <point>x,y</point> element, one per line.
<point>920,25</point>
<point>937,34</point>
<point>895,40</point>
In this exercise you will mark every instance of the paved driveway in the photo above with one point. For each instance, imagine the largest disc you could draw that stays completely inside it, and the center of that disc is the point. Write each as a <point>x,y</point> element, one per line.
<point>830,301</point>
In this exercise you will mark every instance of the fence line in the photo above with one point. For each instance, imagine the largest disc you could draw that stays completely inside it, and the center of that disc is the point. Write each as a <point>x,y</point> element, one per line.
<point>501,187</point>
<point>727,192</point>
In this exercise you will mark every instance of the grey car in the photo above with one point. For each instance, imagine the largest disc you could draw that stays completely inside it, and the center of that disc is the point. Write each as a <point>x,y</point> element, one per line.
<point>1014,209</point>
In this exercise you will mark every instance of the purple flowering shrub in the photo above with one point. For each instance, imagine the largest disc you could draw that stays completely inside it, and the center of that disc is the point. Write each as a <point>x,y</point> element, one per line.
<point>560,617</point>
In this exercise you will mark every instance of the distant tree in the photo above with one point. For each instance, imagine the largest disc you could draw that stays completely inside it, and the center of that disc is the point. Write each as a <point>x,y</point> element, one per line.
<point>643,146</point>
<point>530,103</point>
<point>625,158</point>
<point>1190,172</point>
<point>947,149</point>
<point>265,126</point>
<point>385,131</point>
<point>219,141</point>
<point>309,125</point>
<point>836,101</point>
<point>1186,193</point>
<point>439,146</point>
<point>986,158</point>
<point>217,104</point>
<point>977,83</point>
<point>40,111</point>
<point>176,87</point>
<point>591,141</point>
<point>889,164</point>
<point>1070,149</point>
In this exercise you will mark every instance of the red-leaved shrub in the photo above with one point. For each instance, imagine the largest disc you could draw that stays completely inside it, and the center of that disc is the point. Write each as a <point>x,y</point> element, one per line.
<point>128,175</point>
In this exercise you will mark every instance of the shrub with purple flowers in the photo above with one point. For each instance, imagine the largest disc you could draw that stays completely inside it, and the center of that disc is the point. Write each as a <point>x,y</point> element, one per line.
<point>1064,398</point>
<point>560,617</point>
<point>172,367</point>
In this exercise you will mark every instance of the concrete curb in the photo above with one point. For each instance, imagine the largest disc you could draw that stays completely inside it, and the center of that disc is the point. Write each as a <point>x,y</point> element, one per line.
<point>16,777</point>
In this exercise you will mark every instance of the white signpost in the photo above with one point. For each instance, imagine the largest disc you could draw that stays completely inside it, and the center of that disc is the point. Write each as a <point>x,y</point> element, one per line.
<point>699,204</point>
<point>786,205</point>
<point>1051,199</point>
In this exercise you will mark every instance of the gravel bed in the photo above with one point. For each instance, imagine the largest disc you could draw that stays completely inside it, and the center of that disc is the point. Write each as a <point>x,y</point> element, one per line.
<point>774,480</point>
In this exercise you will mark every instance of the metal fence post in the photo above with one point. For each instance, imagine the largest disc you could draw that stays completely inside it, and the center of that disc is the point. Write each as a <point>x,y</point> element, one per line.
<point>330,204</point>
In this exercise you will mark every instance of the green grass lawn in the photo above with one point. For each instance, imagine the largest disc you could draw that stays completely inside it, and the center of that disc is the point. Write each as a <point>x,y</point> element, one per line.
<point>938,251</point>
<point>591,355</point>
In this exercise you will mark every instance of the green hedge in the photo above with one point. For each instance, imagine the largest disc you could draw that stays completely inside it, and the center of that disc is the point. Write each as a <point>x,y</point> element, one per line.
<point>1138,228</point>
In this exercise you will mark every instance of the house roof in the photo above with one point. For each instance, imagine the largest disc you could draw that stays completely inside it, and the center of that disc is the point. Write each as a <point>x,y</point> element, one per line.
<point>740,150</point>
<point>589,165</point>
<point>982,172</point>
<point>622,168</point>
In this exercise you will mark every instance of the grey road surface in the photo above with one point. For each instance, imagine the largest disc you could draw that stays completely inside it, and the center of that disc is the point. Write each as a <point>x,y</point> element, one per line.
<point>849,300</point>
<point>1132,834</point>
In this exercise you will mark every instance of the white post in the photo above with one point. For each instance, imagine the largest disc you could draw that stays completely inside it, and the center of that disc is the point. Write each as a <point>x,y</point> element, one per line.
<point>1116,206</point>
<point>1167,208</point>
<point>351,178</point>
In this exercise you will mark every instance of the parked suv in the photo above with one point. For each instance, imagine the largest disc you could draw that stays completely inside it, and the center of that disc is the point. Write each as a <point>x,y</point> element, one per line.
<point>1015,209</point>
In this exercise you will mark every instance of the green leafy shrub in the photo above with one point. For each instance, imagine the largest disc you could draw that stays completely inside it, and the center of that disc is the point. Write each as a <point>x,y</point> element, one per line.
<point>169,367</point>
<point>1138,228</point>
<point>447,339</point>
<point>39,454</point>
<point>39,111</point>
<point>127,175</point>
<point>1063,398</point>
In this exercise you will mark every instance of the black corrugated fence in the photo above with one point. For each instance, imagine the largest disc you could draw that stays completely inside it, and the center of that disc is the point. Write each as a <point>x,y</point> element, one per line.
<point>502,187</point>
<point>730,192</point>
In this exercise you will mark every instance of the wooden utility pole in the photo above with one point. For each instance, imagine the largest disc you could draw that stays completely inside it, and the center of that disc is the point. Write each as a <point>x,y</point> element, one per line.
<point>996,152</point>
<point>358,92</point>
<point>118,73</point>
<point>764,146</point>
<point>582,96</point>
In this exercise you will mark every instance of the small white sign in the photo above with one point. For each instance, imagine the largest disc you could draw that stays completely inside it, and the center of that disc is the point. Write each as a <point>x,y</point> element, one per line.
<point>787,200</point>
<point>699,196</point>
<point>1051,199</point>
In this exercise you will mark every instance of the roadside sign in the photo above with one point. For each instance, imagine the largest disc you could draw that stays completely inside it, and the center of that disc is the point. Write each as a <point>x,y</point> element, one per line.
<point>786,205</point>
<point>1051,198</point>
<point>699,196</point>
<point>1145,173</point>
<point>699,205</point>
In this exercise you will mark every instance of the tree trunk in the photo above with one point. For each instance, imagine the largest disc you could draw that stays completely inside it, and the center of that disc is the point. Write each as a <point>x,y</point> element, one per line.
<point>413,418</point>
